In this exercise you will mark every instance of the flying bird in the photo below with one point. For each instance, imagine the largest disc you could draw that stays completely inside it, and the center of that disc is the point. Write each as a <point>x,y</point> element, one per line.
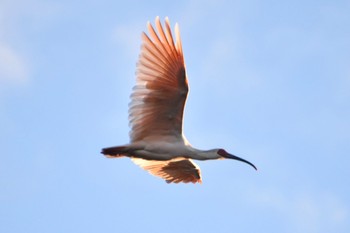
<point>157,143</point>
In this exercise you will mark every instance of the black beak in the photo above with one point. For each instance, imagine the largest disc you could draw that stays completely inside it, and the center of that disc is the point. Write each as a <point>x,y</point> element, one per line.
<point>229,156</point>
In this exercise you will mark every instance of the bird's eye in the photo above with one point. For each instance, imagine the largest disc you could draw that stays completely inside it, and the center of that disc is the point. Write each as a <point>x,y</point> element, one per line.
<point>222,152</point>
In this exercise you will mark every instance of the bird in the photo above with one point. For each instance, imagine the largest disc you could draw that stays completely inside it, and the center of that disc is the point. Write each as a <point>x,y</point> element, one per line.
<point>157,142</point>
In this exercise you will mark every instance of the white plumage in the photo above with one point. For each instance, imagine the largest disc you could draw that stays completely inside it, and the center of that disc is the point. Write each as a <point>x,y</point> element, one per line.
<point>157,143</point>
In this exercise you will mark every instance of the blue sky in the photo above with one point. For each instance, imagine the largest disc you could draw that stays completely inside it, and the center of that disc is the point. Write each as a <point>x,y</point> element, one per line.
<point>269,82</point>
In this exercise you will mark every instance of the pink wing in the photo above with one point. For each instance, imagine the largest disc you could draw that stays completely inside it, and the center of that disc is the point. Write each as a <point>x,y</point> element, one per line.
<point>159,96</point>
<point>173,171</point>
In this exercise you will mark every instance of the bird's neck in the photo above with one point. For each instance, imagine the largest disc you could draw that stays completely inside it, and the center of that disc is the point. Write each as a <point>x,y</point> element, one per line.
<point>206,154</point>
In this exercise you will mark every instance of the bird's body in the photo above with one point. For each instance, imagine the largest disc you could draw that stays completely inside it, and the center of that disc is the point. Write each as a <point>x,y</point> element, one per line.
<point>157,143</point>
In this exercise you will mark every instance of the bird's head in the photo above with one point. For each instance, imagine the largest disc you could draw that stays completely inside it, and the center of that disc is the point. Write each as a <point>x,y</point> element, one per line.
<point>223,154</point>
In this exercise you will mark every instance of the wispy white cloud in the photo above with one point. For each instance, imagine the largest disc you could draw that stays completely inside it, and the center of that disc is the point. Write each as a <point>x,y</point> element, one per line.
<point>13,68</point>
<point>14,65</point>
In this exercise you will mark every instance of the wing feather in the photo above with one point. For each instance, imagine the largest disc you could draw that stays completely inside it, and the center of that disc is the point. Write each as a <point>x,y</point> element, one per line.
<point>159,96</point>
<point>172,171</point>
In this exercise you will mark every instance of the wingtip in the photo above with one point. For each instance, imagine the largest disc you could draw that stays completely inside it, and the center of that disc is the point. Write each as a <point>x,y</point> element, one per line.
<point>167,20</point>
<point>193,182</point>
<point>157,19</point>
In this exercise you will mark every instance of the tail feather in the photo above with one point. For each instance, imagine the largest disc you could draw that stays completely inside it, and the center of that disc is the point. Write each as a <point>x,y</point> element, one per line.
<point>114,152</point>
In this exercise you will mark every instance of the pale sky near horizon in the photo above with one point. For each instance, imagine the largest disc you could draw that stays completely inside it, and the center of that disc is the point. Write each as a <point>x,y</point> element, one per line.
<point>269,82</point>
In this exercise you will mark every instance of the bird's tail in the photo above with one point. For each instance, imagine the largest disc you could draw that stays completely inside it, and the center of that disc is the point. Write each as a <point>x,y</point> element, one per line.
<point>115,152</point>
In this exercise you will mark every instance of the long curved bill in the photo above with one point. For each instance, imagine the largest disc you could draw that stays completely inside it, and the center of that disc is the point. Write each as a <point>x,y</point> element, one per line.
<point>229,156</point>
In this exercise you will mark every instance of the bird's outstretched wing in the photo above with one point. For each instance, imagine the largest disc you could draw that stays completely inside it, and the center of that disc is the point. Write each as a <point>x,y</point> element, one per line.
<point>158,98</point>
<point>173,171</point>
